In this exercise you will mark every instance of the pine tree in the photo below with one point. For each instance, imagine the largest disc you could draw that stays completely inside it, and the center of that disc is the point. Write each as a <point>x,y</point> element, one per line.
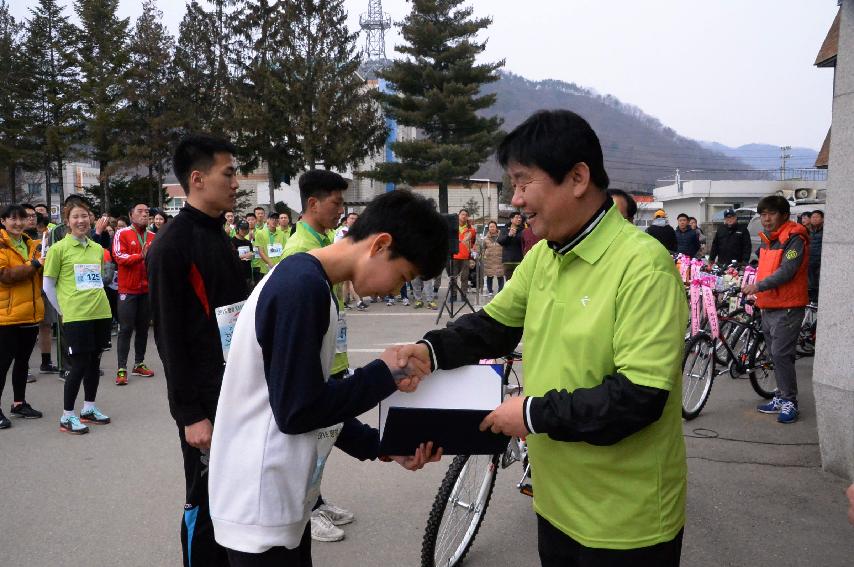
<point>338,122</point>
<point>436,88</point>
<point>204,68</point>
<point>50,56</point>
<point>104,61</point>
<point>151,120</point>
<point>13,111</point>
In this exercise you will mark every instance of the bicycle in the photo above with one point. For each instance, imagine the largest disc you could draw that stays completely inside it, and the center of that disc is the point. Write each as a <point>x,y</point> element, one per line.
<point>463,497</point>
<point>744,348</point>
<point>806,337</point>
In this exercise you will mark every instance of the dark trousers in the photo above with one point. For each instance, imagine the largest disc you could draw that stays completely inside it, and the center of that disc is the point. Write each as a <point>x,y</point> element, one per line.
<point>460,273</point>
<point>197,534</point>
<point>16,346</point>
<point>489,283</point>
<point>300,556</point>
<point>559,550</point>
<point>509,269</point>
<point>85,368</point>
<point>134,317</point>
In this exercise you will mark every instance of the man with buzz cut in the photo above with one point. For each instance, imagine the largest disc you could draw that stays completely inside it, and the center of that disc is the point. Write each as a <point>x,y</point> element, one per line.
<point>603,311</point>
<point>192,270</point>
<point>322,197</point>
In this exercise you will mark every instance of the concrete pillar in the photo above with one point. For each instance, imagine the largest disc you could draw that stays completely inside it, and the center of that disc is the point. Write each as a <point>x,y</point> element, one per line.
<point>833,373</point>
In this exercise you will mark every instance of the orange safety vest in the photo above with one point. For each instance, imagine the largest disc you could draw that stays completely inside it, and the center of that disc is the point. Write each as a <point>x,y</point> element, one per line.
<point>793,293</point>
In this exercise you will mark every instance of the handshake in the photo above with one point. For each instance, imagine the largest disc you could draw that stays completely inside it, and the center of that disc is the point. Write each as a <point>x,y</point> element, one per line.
<point>408,365</point>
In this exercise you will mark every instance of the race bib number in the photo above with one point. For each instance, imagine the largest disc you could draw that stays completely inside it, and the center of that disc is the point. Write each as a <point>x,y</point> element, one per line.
<point>241,250</point>
<point>88,276</point>
<point>226,321</point>
<point>274,250</point>
<point>341,335</point>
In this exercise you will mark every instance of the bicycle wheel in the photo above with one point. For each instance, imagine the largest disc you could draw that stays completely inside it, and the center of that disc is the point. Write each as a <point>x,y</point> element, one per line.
<point>458,509</point>
<point>698,374</point>
<point>761,371</point>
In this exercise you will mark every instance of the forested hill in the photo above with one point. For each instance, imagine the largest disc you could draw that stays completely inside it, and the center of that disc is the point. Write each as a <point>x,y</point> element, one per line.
<point>638,148</point>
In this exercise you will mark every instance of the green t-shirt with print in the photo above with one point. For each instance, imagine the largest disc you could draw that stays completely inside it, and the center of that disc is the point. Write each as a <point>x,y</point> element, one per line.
<point>304,239</point>
<point>79,287</point>
<point>613,304</point>
<point>273,245</point>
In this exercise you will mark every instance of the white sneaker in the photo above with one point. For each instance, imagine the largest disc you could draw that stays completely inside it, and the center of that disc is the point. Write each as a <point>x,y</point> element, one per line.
<point>405,302</point>
<point>322,528</point>
<point>336,514</point>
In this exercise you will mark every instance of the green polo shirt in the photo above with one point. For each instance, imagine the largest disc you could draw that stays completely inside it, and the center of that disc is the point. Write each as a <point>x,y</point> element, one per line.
<point>304,239</point>
<point>614,303</point>
<point>21,247</point>
<point>262,230</point>
<point>265,240</point>
<point>77,270</point>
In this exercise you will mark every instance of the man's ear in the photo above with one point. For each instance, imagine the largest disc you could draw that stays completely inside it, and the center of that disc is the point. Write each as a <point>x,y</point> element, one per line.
<point>197,179</point>
<point>579,179</point>
<point>380,242</point>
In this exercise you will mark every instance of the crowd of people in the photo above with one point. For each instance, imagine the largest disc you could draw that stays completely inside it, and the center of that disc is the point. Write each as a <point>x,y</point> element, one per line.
<point>601,304</point>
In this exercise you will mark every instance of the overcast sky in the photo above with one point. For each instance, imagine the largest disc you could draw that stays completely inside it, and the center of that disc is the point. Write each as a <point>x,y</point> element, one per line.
<point>730,71</point>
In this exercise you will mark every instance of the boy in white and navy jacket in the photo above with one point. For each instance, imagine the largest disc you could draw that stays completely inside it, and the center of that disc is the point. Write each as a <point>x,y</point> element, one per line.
<point>278,415</point>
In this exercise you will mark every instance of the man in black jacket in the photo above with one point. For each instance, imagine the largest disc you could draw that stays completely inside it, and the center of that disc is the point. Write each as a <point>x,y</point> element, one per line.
<point>192,270</point>
<point>663,232</point>
<point>731,242</point>
<point>816,229</point>
<point>687,239</point>
<point>511,244</point>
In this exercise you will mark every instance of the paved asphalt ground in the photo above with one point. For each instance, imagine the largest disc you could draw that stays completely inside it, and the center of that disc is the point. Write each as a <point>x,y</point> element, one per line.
<point>114,497</point>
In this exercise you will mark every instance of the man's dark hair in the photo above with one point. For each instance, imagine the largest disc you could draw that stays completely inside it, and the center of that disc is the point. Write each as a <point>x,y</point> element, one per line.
<point>37,205</point>
<point>464,210</point>
<point>806,214</point>
<point>260,209</point>
<point>273,215</point>
<point>631,204</point>
<point>682,215</point>
<point>13,212</point>
<point>554,141</point>
<point>419,233</point>
<point>515,213</point>
<point>135,205</point>
<point>319,183</point>
<point>692,219</point>
<point>818,212</point>
<point>197,152</point>
<point>247,215</point>
<point>28,206</point>
<point>773,204</point>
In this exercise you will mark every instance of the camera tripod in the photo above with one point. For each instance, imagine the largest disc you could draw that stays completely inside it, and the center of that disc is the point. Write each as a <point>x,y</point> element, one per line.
<point>451,294</point>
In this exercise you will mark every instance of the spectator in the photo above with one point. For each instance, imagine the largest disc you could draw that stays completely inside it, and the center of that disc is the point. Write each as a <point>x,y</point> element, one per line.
<point>816,236</point>
<point>159,220</point>
<point>806,219</point>
<point>529,239</point>
<point>245,250</point>
<point>731,242</point>
<point>20,294</point>
<point>692,222</point>
<point>662,231</point>
<point>493,267</point>
<point>625,204</point>
<point>460,265</point>
<point>781,293</point>
<point>511,244</point>
<point>687,240</point>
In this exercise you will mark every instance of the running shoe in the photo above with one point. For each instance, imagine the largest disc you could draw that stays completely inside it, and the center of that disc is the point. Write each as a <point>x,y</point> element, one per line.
<point>788,412</point>
<point>122,377</point>
<point>433,305</point>
<point>142,370</point>
<point>95,416</point>
<point>405,302</point>
<point>361,306</point>
<point>4,421</point>
<point>63,375</point>
<point>25,411</point>
<point>30,377</point>
<point>771,407</point>
<point>389,302</point>
<point>71,424</point>
<point>49,368</point>
<point>418,304</point>
<point>322,528</point>
<point>336,514</point>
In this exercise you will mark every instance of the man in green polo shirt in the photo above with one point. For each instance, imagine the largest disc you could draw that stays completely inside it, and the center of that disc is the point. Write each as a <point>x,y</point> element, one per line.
<point>603,311</point>
<point>270,243</point>
<point>322,197</point>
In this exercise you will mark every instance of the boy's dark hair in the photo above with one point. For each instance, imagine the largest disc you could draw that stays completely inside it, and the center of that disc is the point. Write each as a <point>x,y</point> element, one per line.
<point>682,215</point>
<point>319,183</point>
<point>818,212</point>
<point>554,141</point>
<point>273,215</point>
<point>807,214</point>
<point>196,152</point>
<point>247,215</point>
<point>773,204</point>
<point>419,233</point>
<point>13,212</point>
<point>260,209</point>
<point>631,204</point>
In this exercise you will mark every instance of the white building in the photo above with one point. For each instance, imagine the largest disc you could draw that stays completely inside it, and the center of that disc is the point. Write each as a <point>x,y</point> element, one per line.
<point>706,200</point>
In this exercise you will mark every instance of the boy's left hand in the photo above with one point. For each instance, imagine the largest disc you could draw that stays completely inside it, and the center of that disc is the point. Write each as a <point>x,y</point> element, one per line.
<point>423,454</point>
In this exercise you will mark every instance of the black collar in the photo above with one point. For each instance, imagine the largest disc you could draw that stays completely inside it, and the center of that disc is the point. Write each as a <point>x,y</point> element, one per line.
<point>203,219</point>
<point>592,223</point>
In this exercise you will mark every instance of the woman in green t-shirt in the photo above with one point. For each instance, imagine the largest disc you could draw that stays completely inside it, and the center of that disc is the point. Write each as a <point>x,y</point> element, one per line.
<point>73,284</point>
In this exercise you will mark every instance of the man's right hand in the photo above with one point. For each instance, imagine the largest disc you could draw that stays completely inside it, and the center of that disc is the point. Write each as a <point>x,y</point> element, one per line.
<point>512,231</point>
<point>198,435</point>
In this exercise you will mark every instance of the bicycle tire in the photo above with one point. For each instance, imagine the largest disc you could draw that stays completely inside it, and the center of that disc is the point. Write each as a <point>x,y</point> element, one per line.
<point>761,372</point>
<point>698,374</point>
<point>449,491</point>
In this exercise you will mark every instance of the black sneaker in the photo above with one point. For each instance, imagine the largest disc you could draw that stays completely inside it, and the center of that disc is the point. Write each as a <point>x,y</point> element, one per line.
<point>26,411</point>
<point>4,421</point>
<point>49,368</point>
<point>63,375</point>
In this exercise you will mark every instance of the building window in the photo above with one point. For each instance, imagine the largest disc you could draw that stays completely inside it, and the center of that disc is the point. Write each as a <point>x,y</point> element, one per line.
<point>54,188</point>
<point>34,188</point>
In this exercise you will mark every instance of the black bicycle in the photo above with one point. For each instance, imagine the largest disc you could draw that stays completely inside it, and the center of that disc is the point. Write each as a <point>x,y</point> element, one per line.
<point>459,507</point>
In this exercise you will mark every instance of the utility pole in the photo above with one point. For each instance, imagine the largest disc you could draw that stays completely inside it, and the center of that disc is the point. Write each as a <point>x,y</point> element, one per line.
<point>784,155</point>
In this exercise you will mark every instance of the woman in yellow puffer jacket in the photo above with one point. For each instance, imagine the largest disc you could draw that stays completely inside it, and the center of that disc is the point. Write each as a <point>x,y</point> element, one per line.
<point>21,307</point>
